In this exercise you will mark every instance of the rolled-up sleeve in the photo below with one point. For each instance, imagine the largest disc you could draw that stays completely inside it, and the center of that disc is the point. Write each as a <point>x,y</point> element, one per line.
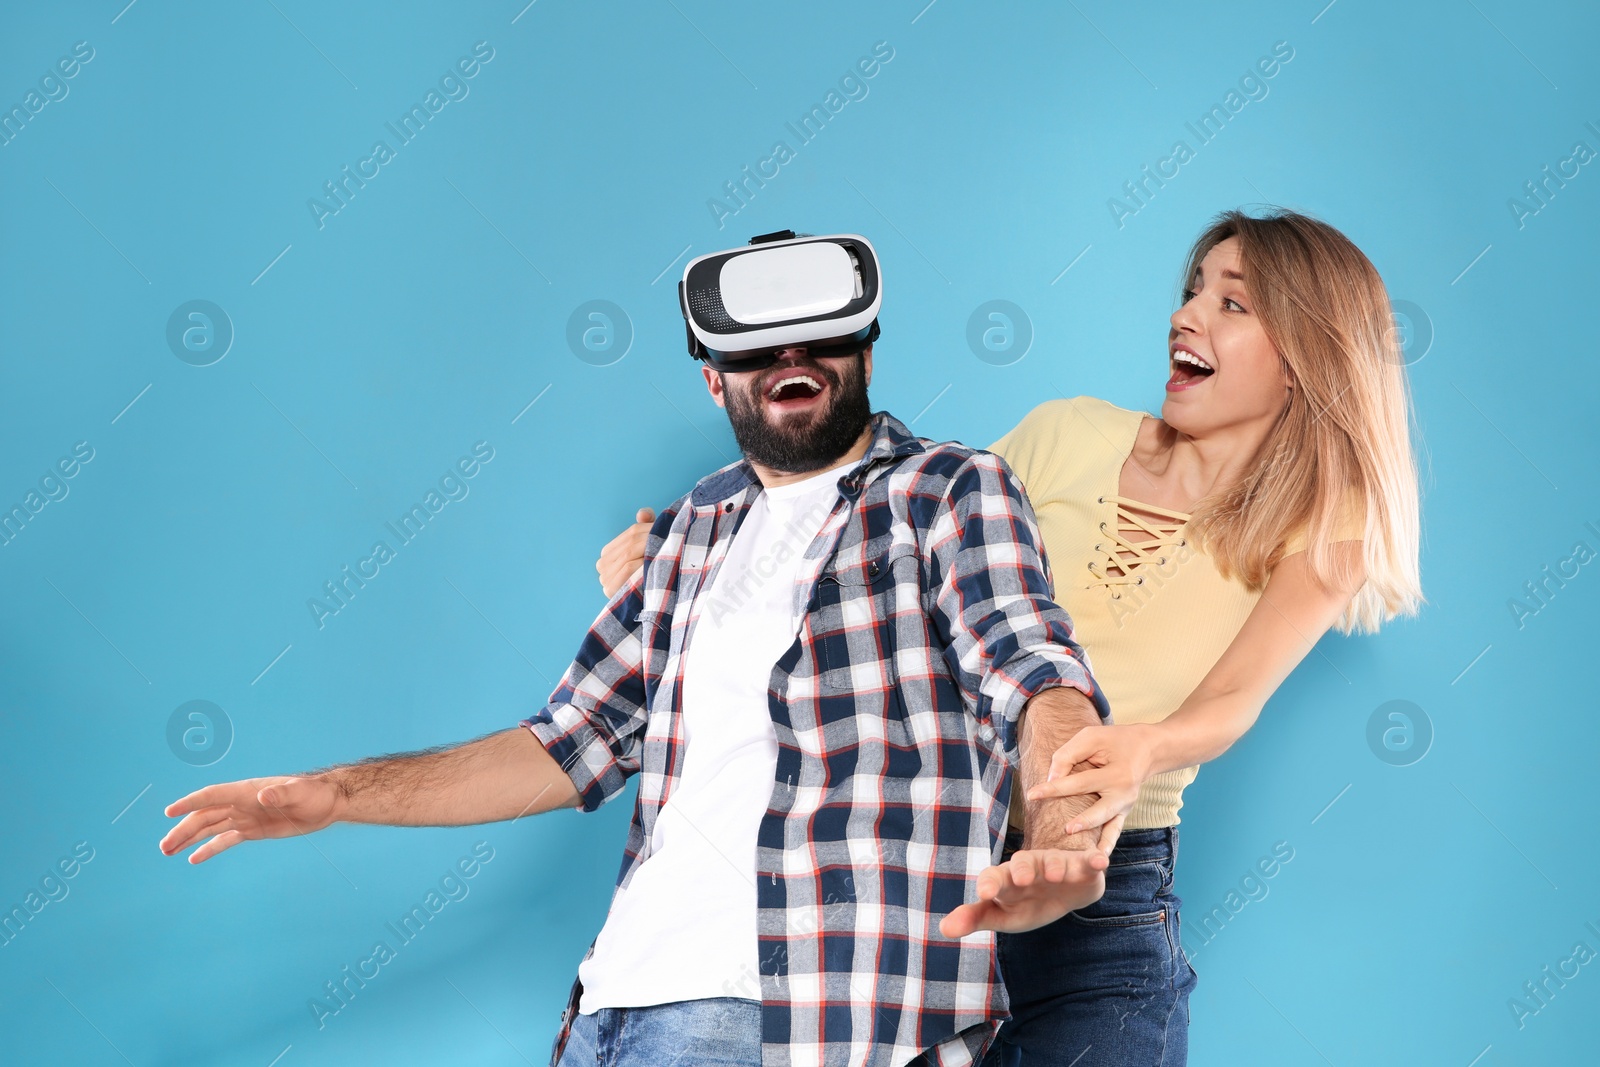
<point>1005,636</point>
<point>594,722</point>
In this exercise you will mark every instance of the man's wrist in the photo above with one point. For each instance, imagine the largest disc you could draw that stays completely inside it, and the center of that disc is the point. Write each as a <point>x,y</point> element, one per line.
<point>342,791</point>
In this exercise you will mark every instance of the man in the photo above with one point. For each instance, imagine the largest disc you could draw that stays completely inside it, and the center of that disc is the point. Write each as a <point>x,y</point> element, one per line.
<point>837,651</point>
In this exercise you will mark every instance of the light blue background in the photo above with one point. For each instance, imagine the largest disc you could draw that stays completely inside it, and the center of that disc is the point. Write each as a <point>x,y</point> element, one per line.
<point>371,353</point>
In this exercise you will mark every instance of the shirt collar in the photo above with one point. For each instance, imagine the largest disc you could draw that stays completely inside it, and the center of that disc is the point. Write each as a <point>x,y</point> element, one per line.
<point>890,441</point>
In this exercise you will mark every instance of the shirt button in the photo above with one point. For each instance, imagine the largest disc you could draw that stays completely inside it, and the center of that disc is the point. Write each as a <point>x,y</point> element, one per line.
<point>728,507</point>
<point>872,569</point>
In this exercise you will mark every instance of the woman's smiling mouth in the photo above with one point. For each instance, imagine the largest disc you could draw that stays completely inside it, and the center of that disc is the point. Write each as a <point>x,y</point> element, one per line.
<point>1188,369</point>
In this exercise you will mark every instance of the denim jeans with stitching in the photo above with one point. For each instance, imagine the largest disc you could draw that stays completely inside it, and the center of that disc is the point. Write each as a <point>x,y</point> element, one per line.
<point>715,1032</point>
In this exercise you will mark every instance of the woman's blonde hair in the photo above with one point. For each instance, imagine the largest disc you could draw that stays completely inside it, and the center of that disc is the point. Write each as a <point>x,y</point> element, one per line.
<point>1344,437</point>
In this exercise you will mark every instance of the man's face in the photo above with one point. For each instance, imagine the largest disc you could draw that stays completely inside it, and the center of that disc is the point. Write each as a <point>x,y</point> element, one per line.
<point>800,414</point>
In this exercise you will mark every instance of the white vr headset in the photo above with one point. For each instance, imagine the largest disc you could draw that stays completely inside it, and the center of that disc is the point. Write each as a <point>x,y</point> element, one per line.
<point>744,305</point>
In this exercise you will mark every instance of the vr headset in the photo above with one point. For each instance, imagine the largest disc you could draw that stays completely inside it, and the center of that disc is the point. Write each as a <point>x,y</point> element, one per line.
<point>743,306</point>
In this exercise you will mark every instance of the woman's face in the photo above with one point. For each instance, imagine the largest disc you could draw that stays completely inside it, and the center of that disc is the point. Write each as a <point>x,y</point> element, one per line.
<point>1217,326</point>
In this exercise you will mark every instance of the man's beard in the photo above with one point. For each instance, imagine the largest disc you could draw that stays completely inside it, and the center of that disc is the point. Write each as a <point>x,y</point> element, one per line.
<point>811,444</point>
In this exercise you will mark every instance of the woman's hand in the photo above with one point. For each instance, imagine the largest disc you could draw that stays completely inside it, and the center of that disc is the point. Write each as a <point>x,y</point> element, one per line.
<point>1120,759</point>
<point>624,554</point>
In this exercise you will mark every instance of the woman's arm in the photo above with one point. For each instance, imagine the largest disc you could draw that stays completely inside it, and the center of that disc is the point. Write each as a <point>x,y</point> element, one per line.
<point>1292,615</point>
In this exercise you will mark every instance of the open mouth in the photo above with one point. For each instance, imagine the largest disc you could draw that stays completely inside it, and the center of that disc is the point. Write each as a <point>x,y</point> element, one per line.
<point>1188,369</point>
<point>794,389</point>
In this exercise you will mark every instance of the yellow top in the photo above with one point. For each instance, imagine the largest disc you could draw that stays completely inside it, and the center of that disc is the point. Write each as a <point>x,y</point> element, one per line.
<point>1149,608</point>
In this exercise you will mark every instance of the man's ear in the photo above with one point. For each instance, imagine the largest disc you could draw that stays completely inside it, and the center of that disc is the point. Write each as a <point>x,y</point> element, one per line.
<point>866,361</point>
<point>713,385</point>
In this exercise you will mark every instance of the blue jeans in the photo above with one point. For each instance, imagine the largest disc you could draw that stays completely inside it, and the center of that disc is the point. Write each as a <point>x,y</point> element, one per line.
<point>716,1032</point>
<point>1106,985</point>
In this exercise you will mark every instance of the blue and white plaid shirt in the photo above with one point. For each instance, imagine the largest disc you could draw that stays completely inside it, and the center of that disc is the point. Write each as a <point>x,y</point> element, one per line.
<point>927,624</point>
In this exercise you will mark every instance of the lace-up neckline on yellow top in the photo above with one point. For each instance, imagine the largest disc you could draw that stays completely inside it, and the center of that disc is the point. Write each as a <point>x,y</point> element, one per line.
<point>1120,556</point>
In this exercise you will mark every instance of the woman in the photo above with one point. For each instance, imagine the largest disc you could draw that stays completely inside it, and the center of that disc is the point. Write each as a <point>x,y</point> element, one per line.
<point>1201,555</point>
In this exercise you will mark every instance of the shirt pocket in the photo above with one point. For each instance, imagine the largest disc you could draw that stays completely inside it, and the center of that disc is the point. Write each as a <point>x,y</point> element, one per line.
<point>655,638</point>
<point>654,631</point>
<point>863,597</point>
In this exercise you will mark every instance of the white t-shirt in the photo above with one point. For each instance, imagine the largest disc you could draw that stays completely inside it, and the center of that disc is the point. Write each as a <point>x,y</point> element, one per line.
<point>685,927</point>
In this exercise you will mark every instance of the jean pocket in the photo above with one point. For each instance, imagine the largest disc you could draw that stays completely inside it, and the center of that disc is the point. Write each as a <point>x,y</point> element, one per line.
<point>1131,897</point>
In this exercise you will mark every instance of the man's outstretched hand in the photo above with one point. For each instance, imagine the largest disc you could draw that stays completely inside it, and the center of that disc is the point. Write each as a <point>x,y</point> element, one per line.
<point>250,810</point>
<point>1031,889</point>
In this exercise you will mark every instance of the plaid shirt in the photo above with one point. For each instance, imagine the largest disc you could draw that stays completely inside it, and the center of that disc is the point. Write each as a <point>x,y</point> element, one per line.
<point>928,623</point>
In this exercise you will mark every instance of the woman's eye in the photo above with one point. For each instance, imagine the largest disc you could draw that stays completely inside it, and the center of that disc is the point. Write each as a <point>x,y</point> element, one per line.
<point>1235,303</point>
<point>1188,295</point>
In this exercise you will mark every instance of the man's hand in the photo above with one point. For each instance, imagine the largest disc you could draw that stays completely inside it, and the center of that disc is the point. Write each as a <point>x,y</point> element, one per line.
<point>251,810</point>
<point>1030,890</point>
<point>1056,871</point>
